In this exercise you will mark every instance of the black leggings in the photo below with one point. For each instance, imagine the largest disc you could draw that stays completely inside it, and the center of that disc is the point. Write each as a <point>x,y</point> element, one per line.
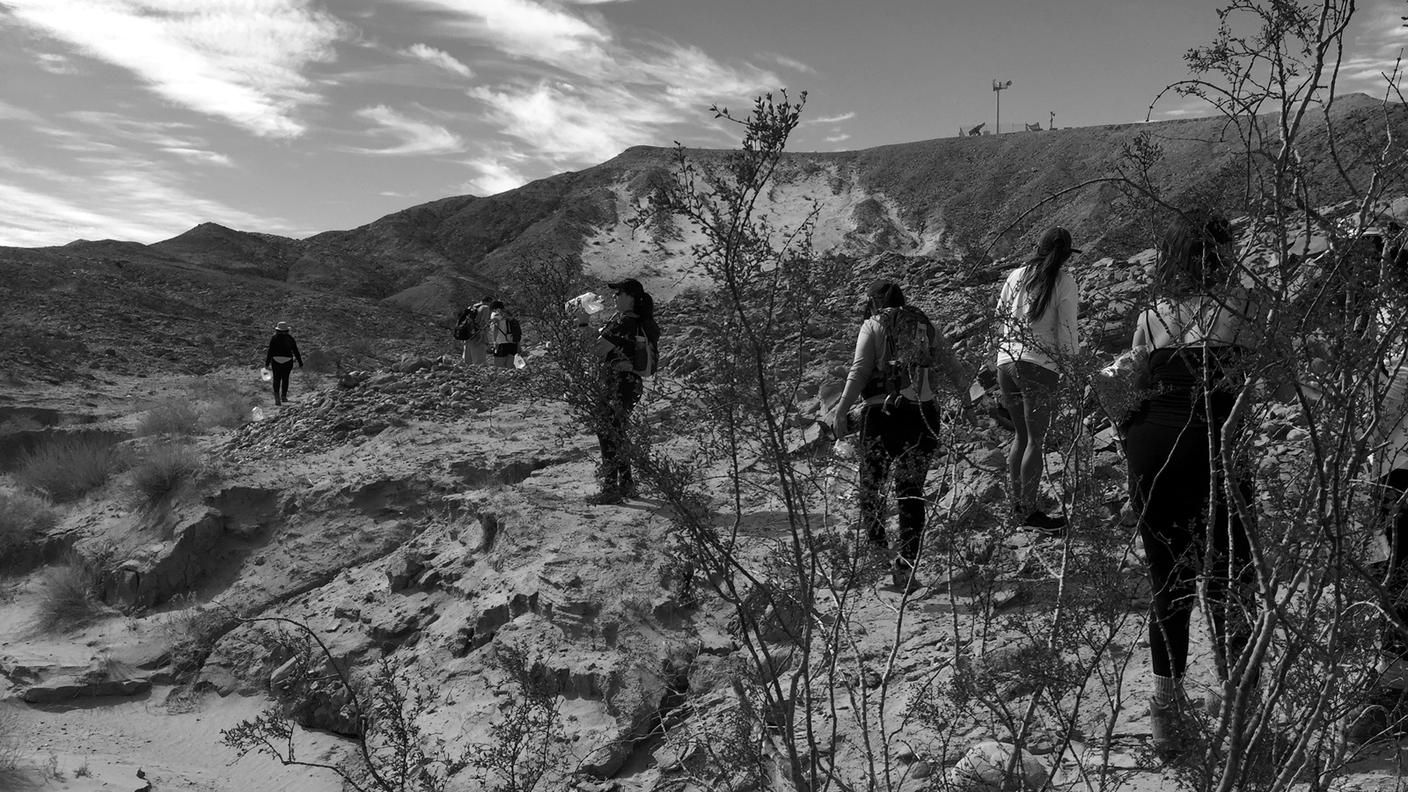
<point>898,440</point>
<point>1395,509</point>
<point>623,389</point>
<point>281,375</point>
<point>1169,477</point>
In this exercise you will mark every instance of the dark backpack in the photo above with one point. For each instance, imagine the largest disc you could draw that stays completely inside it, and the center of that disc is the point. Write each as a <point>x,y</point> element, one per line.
<point>467,326</point>
<point>909,351</point>
<point>515,330</point>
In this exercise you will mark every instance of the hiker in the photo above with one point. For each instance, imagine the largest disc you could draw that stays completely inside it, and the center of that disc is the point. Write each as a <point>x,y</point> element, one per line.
<point>899,420</point>
<point>1382,710</point>
<point>620,355</point>
<point>470,328</point>
<point>503,334</point>
<point>1194,334</point>
<point>283,350</point>
<point>1037,309</point>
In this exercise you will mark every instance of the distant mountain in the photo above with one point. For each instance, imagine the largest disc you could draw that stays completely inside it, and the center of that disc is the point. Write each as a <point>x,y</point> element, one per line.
<point>945,199</point>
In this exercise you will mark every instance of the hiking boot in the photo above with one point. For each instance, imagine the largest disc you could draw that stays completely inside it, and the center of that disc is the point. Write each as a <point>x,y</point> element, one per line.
<point>1045,523</point>
<point>904,578</point>
<point>1168,726</point>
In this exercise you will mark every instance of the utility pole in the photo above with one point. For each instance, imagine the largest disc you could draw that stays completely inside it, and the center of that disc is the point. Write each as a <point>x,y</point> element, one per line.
<point>998,86</point>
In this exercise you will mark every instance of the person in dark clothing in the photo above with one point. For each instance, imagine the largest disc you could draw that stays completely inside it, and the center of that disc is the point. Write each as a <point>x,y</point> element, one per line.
<point>1195,336</point>
<point>898,435</point>
<point>283,351</point>
<point>621,386</point>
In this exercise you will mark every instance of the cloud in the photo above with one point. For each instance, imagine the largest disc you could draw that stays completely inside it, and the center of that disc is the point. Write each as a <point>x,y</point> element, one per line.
<point>837,138</point>
<point>566,122</point>
<point>836,119</point>
<point>416,137</point>
<point>527,29</point>
<point>55,64</point>
<point>240,60</point>
<point>200,156</point>
<point>791,63</point>
<point>495,176</point>
<point>440,58</point>
<point>9,112</point>
<point>95,197</point>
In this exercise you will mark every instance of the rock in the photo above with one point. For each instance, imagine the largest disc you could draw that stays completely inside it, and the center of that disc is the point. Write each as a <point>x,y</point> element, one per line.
<point>67,688</point>
<point>984,769</point>
<point>403,570</point>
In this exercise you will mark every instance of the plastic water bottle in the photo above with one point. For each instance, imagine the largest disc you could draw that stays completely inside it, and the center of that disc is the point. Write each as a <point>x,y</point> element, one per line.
<point>266,375</point>
<point>257,413</point>
<point>519,362</point>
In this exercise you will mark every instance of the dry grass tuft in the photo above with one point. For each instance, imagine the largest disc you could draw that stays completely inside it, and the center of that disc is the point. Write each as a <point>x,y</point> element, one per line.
<point>174,417</point>
<point>163,470</point>
<point>70,596</point>
<point>68,467</point>
<point>24,517</point>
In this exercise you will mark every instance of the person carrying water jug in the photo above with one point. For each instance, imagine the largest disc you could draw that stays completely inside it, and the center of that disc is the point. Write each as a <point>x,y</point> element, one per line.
<point>283,351</point>
<point>622,363</point>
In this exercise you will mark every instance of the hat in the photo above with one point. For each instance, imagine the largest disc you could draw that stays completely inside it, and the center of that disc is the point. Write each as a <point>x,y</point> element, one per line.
<point>630,286</point>
<point>1056,238</point>
<point>282,326</point>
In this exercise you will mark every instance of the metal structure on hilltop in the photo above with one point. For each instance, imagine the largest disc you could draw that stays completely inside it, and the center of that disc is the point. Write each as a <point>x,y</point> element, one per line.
<point>998,86</point>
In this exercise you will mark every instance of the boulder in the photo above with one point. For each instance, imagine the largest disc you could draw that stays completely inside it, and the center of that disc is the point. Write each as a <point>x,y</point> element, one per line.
<point>984,768</point>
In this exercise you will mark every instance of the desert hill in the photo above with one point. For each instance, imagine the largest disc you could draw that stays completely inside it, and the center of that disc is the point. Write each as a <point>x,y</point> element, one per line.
<point>213,291</point>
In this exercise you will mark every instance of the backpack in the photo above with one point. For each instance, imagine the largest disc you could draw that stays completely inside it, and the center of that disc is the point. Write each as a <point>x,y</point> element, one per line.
<point>644,358</point>
<point>515,330</point>
<point>467,326</point>
<point>909,352</point>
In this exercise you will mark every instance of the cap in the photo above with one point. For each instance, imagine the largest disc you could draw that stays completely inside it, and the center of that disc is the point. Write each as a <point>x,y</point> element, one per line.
<point>886,294</point>
<point>1056,238</point>
<point>630,286</point>
<point>281,326</point>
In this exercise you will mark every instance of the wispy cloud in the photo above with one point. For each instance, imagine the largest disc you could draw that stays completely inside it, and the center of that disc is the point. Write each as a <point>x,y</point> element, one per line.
<point>527,29</point>
<point>54,63</point>
<point>116,196</point>
<point>836,119</point>
<point>416,137</point>
<point>837,138</point>
<point>495,175</point>
<point>790,63</point>
<point>240,60</point>
<point>439,58</point>
<point>200,156</point>
<point>565,122</point>
<point>9,112</point>
<point>1378,46</point>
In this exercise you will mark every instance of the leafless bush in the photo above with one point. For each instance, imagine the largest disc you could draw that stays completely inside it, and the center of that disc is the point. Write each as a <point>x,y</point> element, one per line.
<point>177,417</point>
<point>162,469</point>
<point>24,517</point>
<point>69,595</point>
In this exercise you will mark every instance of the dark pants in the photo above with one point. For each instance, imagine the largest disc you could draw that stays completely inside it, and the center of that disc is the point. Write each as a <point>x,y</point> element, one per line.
<point>1395,510</point>
<point>1170,473</point>
<point>623,389</point>
<point>281,375</point>
<point>899,441</point>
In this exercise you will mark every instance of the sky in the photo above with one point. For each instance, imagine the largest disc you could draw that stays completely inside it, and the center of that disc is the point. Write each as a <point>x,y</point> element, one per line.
<point>138,119</point>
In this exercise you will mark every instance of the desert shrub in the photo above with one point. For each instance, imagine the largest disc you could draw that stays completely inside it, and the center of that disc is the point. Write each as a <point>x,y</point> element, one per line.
<point>10,741</point>
<point>224,409</point>
<point>176,416</point>
<point>162,470</point>
<point>69,466</point>
<point>24,516</point>
<point>69,595</point>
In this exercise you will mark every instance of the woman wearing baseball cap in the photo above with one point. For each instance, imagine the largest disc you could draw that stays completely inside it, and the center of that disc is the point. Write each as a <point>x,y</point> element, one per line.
<point>621,386</point>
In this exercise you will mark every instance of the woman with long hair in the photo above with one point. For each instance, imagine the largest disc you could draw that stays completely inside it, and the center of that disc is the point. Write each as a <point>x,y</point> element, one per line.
<point>621,386</point>
<point>1195,334</point>
<point>1038,308</point>
<point>899,425</point>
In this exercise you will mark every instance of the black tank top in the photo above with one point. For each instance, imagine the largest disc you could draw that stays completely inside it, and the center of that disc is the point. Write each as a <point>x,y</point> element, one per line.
<point>1179,385</point>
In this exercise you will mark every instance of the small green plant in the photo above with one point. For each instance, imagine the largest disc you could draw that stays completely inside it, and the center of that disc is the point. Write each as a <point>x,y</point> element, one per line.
<point>163,470</point>
<point>175,417</point>
<point>24,517</point>
<point>69,466</point>
<point>69,596</point>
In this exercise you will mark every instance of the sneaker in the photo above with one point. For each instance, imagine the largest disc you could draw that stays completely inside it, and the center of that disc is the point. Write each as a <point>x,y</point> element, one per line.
<point>1045,523</point>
